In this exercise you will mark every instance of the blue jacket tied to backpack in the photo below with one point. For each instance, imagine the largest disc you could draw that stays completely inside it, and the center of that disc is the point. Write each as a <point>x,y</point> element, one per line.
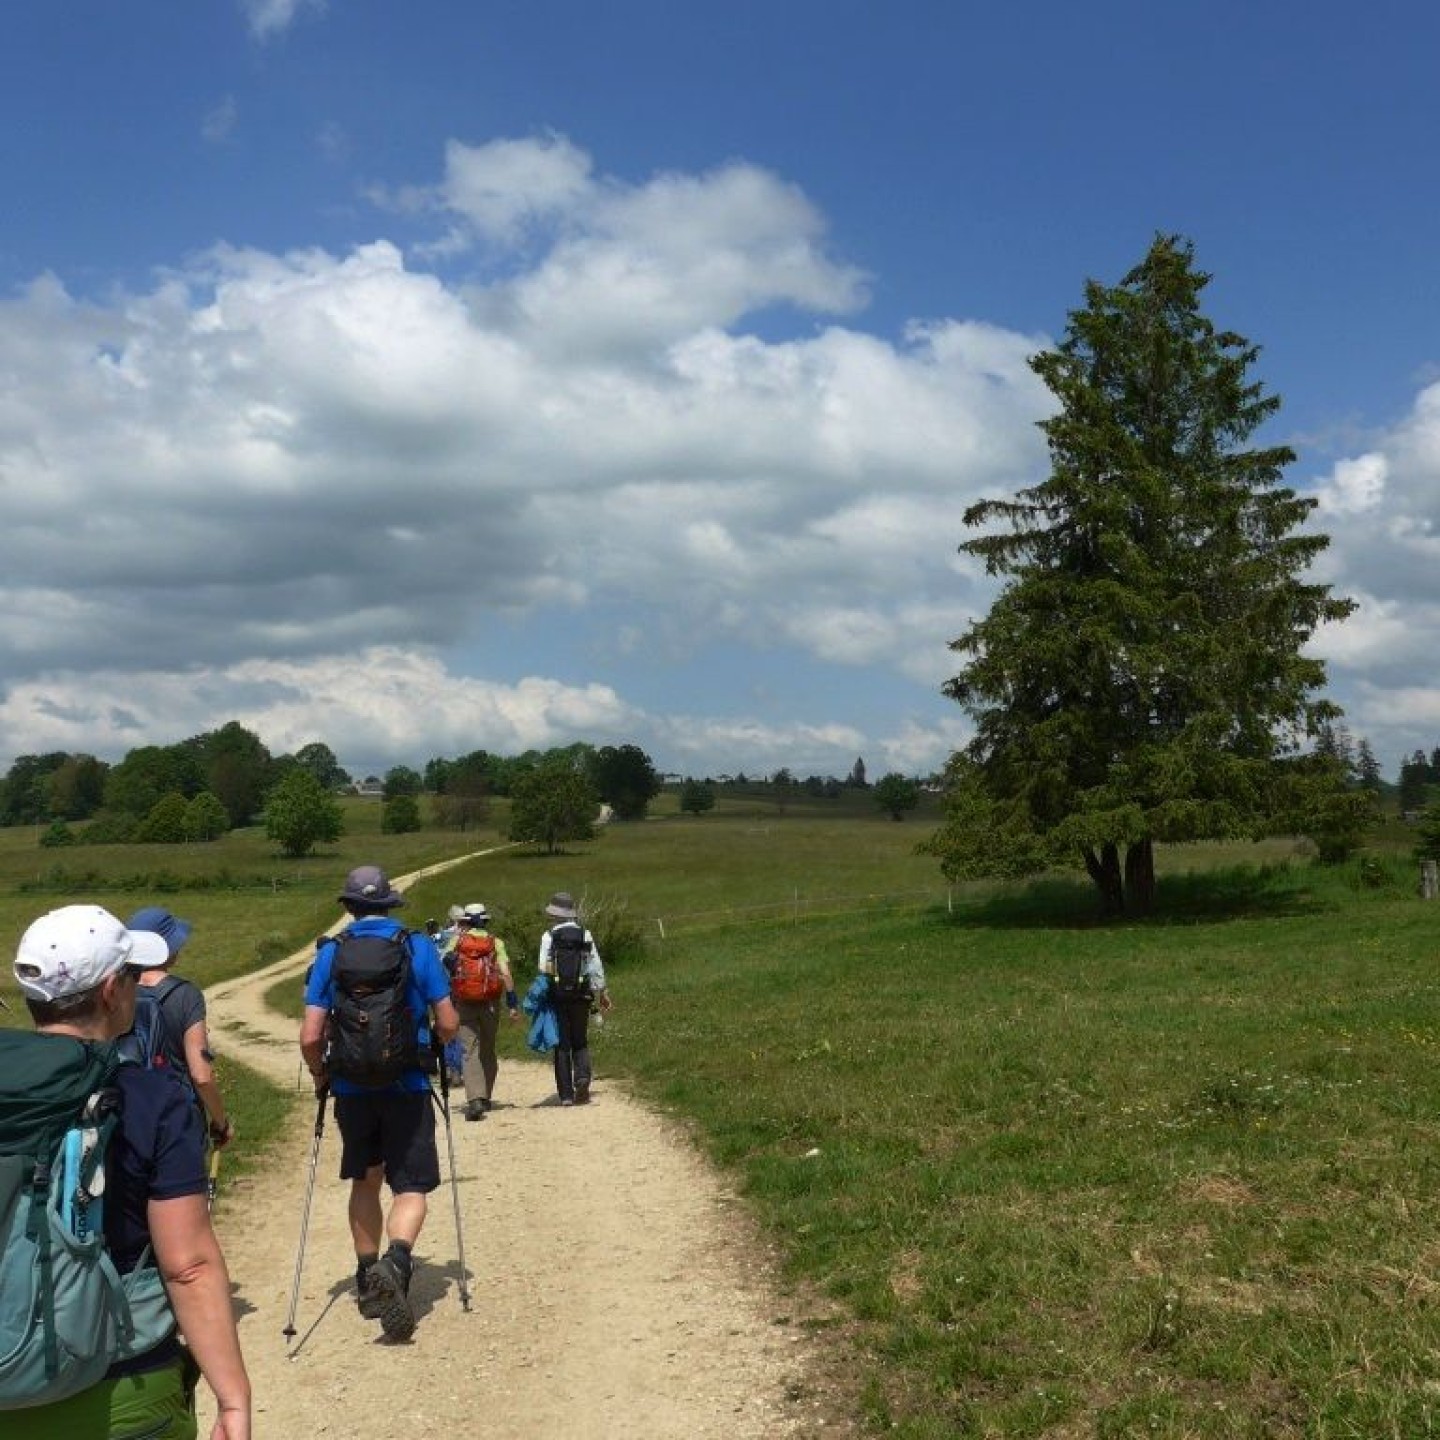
<point>544,1033</point>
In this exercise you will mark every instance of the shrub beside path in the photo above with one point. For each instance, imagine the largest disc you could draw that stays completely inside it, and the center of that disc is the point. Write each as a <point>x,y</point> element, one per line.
<point>618,1290</point>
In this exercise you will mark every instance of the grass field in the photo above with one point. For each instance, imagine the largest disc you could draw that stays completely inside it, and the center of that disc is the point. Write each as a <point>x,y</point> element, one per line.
<point>1054,1179</point>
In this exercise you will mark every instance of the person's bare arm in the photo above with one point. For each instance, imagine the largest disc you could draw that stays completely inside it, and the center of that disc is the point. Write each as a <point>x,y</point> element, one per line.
<point>312,1041</point>
<point>189,1260</point>
<point>202,1076</point>
<point>512,1002</point>
<point>447,1019</point>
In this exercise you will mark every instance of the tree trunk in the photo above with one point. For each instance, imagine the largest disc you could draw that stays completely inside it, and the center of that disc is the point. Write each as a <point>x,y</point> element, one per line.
<point>1140,877</point>
<point>1105,872</point>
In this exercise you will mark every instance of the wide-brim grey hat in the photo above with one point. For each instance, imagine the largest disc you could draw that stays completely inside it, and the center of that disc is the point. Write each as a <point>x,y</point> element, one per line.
<point>561,906</point>
<point>370,885</point>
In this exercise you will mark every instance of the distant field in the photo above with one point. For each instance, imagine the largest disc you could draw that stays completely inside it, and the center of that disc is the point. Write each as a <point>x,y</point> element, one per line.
<point>249,903</point>
<point>1053,1179</point>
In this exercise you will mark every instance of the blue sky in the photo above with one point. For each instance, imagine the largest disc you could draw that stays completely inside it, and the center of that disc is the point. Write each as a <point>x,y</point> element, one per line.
<point>451,375</point>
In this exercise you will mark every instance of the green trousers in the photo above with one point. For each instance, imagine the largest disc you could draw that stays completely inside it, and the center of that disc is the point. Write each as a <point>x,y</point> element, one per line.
<point>154,1405</point>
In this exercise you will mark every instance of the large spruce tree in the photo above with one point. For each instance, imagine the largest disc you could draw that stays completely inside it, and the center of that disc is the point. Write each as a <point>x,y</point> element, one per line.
<point>1140,676</point>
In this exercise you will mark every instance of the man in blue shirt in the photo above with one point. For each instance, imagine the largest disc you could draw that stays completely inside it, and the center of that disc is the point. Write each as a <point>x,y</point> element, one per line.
<point>387,1130</point>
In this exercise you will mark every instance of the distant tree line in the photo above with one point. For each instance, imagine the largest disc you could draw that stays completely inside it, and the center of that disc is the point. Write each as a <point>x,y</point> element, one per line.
<point>894,793</point>
<point>202,787</point>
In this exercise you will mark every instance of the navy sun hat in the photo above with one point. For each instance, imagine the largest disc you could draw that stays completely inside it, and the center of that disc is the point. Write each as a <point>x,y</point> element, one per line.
<point>171,928</point>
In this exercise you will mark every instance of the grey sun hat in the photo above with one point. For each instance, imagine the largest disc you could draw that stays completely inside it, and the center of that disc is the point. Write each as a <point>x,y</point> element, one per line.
<point>370,885</point>
<point>477,914</point>
<point>561,906</point>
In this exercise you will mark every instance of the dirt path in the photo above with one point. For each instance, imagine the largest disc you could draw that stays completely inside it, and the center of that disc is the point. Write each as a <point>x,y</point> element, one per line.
<point>617,1290</point>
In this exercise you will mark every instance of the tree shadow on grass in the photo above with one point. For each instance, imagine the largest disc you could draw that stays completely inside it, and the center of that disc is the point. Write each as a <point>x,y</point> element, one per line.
<point>1194,898</point>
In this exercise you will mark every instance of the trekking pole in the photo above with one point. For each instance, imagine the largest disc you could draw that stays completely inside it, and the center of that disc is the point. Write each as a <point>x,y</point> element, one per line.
<point>443,1101</point>
<point>212,1177</point>
<point>322,1097</point>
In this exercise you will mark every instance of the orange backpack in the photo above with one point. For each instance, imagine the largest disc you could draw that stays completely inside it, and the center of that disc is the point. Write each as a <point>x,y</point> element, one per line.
<point>476,977</point>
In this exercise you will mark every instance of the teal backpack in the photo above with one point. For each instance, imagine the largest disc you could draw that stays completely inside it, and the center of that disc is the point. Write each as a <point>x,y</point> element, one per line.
<point>66,1315</point>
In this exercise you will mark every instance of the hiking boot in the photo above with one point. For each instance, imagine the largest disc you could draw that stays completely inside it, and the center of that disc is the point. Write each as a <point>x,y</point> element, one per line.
<point>475,1110</point>
<point>369,1299</point>
<point>390,1286</point>
<point>582,1094</point>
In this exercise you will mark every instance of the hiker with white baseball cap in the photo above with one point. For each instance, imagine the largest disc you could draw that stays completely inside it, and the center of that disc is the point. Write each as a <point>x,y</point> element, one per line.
<point>78,968</point>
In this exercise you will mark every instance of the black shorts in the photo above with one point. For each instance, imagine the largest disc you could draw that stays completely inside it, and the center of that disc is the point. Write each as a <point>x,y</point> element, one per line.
<point>392,1128</point>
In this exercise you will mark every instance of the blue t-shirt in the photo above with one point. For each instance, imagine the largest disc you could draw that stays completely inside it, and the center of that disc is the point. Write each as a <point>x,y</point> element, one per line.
<point>428,984</point>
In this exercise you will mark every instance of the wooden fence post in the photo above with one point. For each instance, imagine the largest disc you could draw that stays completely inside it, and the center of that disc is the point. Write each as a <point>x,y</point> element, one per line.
<point>1428,882</point>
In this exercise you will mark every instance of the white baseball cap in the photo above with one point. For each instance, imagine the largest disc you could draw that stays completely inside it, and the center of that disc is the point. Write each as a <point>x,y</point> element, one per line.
<point>74,948</point>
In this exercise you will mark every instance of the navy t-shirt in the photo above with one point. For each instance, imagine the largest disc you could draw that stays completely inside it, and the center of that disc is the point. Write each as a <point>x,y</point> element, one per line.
<point>157,1152</point>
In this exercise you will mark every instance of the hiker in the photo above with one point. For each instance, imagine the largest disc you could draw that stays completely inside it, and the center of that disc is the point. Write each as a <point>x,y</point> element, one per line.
<point>450,932</point>
<point>570,960</point>
<point>477,986</point>
<point>366,1037</point>
<point>182,1006</point>
<point>78,968</point>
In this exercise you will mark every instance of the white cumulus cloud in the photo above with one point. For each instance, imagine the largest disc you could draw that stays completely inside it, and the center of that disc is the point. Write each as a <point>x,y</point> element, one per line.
<point>268,460</point>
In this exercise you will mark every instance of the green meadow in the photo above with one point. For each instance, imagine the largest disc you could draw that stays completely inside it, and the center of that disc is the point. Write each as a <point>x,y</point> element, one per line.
<point>1027,1175</point>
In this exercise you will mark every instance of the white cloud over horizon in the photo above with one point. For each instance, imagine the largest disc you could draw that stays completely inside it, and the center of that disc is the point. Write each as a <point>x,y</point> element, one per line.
<point>341,496</point>
<point>267,461</point>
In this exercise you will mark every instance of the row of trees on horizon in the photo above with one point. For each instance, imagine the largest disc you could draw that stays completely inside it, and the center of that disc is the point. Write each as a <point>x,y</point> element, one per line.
<point>208,784</point>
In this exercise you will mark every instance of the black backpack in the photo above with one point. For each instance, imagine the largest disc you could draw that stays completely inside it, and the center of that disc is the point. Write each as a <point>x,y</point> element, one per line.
<point>569,954</point>
<point>374,1035</point>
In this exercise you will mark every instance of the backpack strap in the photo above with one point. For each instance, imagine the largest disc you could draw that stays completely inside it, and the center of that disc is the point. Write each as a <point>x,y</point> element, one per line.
<point>174,1046</point>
